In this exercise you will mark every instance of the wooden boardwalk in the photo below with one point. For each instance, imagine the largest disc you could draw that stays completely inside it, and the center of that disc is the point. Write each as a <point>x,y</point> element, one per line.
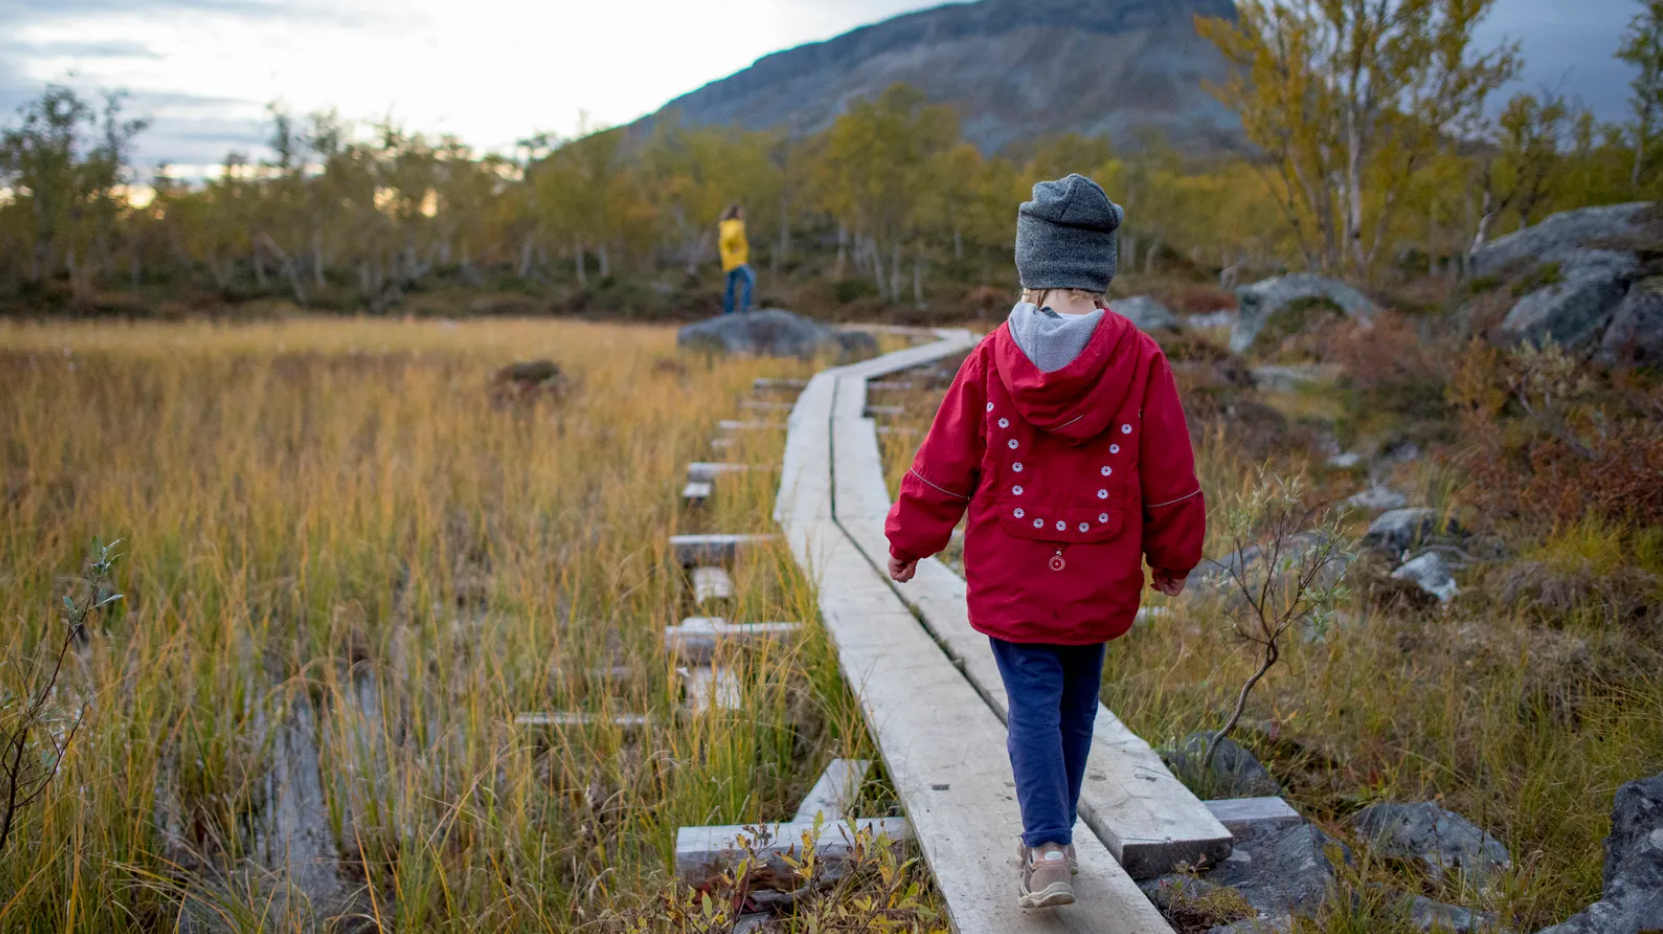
<point>940,729</point>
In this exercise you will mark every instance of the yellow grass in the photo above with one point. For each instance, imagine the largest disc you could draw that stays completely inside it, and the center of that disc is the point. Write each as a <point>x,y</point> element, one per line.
<point>330,530</point>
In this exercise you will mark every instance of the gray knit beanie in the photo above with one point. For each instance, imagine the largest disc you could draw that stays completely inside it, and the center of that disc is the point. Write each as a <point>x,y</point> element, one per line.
<point>1065,237</point>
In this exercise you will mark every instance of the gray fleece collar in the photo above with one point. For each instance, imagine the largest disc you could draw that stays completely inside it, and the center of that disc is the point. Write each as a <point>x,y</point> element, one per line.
<point>1051,341</point>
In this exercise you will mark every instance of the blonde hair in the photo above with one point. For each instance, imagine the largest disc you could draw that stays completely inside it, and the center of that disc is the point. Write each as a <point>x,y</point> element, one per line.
<point>1038,297</point>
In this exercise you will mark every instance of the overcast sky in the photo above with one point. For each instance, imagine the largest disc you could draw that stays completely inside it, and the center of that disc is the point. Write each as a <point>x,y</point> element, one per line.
<point>493,71</point>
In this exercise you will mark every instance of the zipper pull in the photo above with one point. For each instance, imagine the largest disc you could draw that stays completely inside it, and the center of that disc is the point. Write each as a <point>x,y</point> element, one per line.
<point>1057,562</point>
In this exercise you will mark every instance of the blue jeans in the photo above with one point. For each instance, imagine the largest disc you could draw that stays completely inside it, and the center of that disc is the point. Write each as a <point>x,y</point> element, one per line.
<point>1053,694</point>
<point>736,276</point>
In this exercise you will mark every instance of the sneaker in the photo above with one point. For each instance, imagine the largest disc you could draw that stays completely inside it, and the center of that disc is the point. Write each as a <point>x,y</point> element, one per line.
<point>1073,857</point>
<point>1045,878</point>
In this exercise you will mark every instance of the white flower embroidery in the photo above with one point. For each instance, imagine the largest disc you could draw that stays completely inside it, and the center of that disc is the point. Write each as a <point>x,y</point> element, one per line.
<point>1108,471</point>
<point>1062,526</point>
<point>1039,523</point>
<point>1104,518</point>
<point>1014,444</point>
<point>1004,423</point>
<point>1085,527</point>
<point>1114,449</point>
<point>1020,512</point>
<point>990,406</point>
<point>1016,490</point>
<point>1102,494</point>
<point>1125,429</point>
<point>1018,467</point>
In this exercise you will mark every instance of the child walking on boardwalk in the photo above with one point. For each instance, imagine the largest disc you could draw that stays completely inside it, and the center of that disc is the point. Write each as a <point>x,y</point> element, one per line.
<point>1063,437</point>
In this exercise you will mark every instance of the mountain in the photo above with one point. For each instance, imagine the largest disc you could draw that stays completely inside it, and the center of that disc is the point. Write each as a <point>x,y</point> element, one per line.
<point>1015,69</point>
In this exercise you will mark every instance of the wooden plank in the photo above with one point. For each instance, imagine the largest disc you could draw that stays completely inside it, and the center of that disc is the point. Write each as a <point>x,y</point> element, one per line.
<point>765,385</point>
<point>629,721</point>
<point>728,424</point>
<point>696,550</point>
<point>707,472</point>
<point>1148,819</point>
<point>762,405</point>
<point>697,492</point>
<point>711,585</point>
<point>942,745</point>
<point>700,638</point>
<point>890,386</point>
<point>1248,816</point>
<point>704,853</point>
<point>721,444</point>
<point>836,790</point>
<point>710,688</point>
<point>885,411</point>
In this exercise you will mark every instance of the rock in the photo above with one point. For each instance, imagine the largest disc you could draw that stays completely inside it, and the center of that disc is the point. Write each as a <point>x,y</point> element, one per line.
<point>1147,313</point>
<point>1635,338</point>
<point>771,333</point>
<point>856,345</point>
<point>1377,499</point>
<point>1215,572</point>
<point>1401,529</point>
<point>1267,924</point>
<point>1557,235</point>
<point>1575,311</point>
<point>1287,873</point>
<point>1431,574</point>
<point>1261,301</point>
<point>1442,841</point>
<point>1233,773</point>
<point>1632,902</point>
<point>1291,378</point>
<point>1215,319</point>
<point>1428,915</point>
<point>1350,460</point>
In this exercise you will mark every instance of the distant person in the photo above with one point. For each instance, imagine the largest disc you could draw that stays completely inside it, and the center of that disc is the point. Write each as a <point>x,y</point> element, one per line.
<point>736,257</point>
<point>1064,438</point>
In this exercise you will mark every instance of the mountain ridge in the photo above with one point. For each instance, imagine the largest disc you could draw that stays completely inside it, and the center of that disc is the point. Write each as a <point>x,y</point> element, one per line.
<point>1010,67</point>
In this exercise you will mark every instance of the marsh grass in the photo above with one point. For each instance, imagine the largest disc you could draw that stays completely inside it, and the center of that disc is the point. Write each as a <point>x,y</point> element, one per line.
<point>340,552</point>
<point>1521,717</point>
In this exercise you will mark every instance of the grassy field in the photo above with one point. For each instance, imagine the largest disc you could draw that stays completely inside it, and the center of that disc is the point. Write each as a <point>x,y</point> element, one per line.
<point>345,572</point>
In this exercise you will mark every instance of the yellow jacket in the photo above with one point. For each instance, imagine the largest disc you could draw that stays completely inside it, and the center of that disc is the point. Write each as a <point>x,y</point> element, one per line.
<point>736,250</point>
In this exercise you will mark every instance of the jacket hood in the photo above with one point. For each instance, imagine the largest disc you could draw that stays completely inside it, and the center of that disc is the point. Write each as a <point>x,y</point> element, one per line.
<point>1077,402</point>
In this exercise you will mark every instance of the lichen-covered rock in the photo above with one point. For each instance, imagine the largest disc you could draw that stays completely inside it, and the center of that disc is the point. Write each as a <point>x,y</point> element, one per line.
<point>1430,573</point>
<point>1147,313</point>
<point>1575,311</point>
<point>1441,841</point>
<point>1401,529</point>
<point>1264,924</point>
<point>1378,499</point>
<point>771,333</point>
<point>1261,301</point>
<point>1233,773</point>
<point>1428,915</point>
<point>1635,338</point>
<point>1282,874</point>
<point>1633,899</point>
<point>1550,240</point>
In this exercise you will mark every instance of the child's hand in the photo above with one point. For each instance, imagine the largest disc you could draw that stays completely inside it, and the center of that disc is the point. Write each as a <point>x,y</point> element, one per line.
<point>902,571</point>
<point>1169,584</point>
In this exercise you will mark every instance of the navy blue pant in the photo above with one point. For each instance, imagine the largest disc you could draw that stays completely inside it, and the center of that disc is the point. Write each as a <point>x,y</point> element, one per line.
<point>735,277</point>
<point>1053,693</point>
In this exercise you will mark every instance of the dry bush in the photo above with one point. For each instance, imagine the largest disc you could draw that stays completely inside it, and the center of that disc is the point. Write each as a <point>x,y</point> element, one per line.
<point>1195,298</point>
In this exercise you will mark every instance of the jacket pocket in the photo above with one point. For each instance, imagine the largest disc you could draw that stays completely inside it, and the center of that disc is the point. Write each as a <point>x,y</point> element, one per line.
<point>1059,523</point>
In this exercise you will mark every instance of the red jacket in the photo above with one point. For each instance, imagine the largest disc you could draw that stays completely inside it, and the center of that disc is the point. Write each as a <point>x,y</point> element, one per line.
<point>1071,478</point>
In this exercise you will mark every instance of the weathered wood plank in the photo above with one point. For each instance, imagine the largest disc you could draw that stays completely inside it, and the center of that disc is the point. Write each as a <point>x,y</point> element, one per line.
<point>890,386</point>
<point>700,638</point>
<point>1245,816</point>
<point>696,550</point>
<point>763,405</point>
<point>728,424</point>
<point>710,688</point>
<point>711,585</point>
<point>697,492</point>
<point>836,790</point>
<point>766,385</point>
<point>707,472</point>
<point>885,411</point>
<point>632,721</point>
<point>704,853</point>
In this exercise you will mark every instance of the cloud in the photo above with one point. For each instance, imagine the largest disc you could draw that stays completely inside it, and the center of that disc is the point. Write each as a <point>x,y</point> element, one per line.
<point>19,12</point>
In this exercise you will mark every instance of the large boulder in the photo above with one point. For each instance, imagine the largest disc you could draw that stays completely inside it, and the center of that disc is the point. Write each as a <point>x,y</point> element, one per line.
<point>1147,313</point>
<point>1633,897</point>
<point>1574,311</point>
<point>1284,873</point>
<point>1441,841</point>
<point>1262,300</point>
<point>1554,238</point>
<point>1635,337</point>
<point>1233,773</point>
<point>1401,529</point>
<point>1430,573</point>
<point>772,333</point>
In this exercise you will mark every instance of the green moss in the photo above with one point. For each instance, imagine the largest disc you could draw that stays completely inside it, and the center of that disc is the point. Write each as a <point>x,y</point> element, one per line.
<point>1539,278</point>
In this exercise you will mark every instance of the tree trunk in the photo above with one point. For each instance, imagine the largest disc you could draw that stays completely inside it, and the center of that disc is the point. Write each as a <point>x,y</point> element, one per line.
<point>895,271</point>
<point>1640,134</point>
<point>918,277</point>
<point>581,264</point>
<point>259,268</point>
<point>958,244</point>
<point>842,252</point>
<point>524,271</point>
<point>876,258</point>
<point>317,259</point>
<point>605,261</point>
<point>1149,257</point>
<point>1129,251</point>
